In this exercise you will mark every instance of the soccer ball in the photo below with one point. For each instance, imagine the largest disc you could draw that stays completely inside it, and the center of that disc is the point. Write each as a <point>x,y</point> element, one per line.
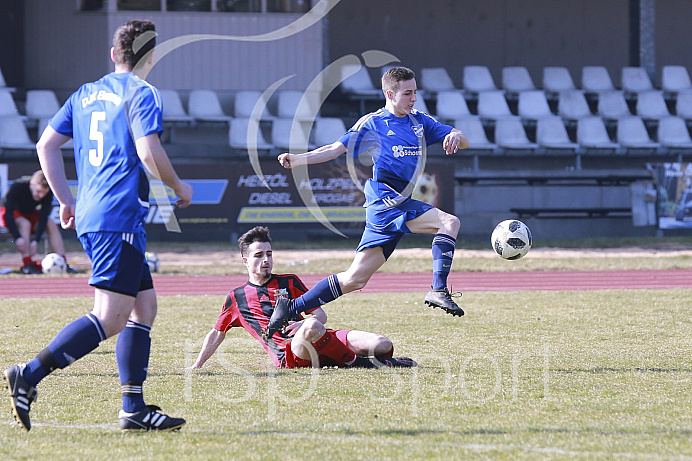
<point>153,261</point>
<point>53,263</point>
<point>511,239</point>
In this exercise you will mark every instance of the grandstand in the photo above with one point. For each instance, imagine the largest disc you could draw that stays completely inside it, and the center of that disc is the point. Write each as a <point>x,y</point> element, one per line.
<point>558,130</point>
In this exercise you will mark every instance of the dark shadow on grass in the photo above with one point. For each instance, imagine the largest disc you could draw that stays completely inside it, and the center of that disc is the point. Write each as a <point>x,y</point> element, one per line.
<point>605,370</point>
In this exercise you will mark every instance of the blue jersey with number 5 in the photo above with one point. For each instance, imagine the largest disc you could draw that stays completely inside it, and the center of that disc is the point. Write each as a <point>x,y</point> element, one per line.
<point>104,118</point>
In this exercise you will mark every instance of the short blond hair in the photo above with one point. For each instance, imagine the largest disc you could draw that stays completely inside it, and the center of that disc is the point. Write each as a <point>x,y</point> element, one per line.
<point>39,179</point>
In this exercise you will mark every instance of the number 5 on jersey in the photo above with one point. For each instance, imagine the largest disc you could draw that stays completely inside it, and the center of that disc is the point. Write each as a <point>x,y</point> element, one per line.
<point>96,155</point>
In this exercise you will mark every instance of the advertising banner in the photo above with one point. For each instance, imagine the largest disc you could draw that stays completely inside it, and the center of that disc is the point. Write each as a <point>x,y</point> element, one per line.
<point>232,197</point>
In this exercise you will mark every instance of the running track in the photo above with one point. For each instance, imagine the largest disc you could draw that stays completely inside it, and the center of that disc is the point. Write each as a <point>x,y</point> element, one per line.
<point>42,286</point>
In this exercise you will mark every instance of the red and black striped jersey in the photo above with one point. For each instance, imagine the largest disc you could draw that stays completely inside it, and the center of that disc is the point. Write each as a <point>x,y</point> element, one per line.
<point>250,306</point>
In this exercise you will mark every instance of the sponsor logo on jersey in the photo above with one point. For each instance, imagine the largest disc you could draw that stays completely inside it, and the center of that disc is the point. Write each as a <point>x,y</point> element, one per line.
<point>391,133</point>
<point>404,151</point>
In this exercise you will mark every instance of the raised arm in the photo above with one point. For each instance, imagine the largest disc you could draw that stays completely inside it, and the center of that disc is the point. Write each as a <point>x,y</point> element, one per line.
<point>211,342</point>
<point>319,155</point>
<point>155,159</point>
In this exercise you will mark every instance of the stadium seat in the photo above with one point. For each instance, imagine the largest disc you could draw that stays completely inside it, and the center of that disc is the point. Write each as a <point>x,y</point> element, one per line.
<point>632,133</point>
<point>358,85</point>
<point>3,84</point>
<point>612,105</point>
<point>596,79</point>
<point>358,82</point>
<point>492,105</point>
<point>327,130</point>
<point>8,108</point>
<point>451,105</point>
<point>238,136</point>
<point>510,134</point>
<point>683,106</point>
<point>516,79</point>
<point>420,104</point>
<point>533,105</point>
<point>173,111</point>
<point>244,103</point>
<point>298,104</point>
<point>672,132</point>
<point>651,105</point>
<point>436,79</point>
<point>592,134</point>
<point>557,79</point>
<point>635,80</point>
<point>478,79</point>
<point>572,105</point>
<point>204,106</point>
<point>43,123</point>
<point>41,104</point>
<point>475,132</point>
<point>552,134</point>
<point>13,134</point>
<point>675,79</point>
<point>286,138</point>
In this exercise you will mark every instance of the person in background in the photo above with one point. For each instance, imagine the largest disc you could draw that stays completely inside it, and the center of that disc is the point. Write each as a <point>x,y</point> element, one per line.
<point>25,212</point>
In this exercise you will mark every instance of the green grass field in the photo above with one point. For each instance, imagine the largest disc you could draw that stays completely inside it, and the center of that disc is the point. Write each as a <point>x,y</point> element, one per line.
<point>524,375</point>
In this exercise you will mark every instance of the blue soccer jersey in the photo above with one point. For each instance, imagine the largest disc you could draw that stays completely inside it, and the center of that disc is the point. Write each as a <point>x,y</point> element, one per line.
<point>395,144</point>
<point>104,118</point>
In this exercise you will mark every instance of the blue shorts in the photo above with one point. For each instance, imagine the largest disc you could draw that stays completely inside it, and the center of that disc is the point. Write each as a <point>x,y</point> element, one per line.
<point>386,215</point>
<point>118,262</point>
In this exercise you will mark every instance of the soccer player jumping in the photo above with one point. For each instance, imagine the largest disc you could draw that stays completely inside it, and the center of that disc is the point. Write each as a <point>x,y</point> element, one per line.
<point>115,123</point>
<point>396,137</point>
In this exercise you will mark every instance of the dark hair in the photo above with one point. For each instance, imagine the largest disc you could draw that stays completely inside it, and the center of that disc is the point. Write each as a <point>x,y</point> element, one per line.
<point>391,78</point>
<point>129,47</point>
<point>256,234</point>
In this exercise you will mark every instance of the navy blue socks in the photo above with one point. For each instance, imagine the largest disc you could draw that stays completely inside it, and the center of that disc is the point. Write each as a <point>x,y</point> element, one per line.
<point>443,253</point>
<point>325,291</point>
<point>73,342</point>
<point>132,353</point>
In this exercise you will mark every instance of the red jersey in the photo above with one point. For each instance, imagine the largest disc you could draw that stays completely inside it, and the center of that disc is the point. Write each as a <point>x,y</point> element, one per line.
<point>250,306</point>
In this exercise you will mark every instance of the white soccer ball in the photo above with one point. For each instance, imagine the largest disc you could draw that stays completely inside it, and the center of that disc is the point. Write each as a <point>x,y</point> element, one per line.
<point>153,261</point>
<point>53,263</point>
<point>511,239</point>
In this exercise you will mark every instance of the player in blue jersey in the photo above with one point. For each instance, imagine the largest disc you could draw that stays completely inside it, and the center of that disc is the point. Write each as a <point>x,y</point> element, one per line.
<point>115,123</point>
<point>396,137</point>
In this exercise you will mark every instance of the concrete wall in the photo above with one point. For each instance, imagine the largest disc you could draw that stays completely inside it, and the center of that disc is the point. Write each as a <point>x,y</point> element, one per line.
<point>69,47</point>
<point>500,33</point>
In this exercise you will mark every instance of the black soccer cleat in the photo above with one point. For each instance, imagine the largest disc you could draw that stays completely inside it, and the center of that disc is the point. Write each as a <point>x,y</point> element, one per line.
<point>382,362</point>
<point>442,298</point>
<point>21,395</point>
<point>31,269</point>
<point>149,419</point>
<point>279,318</point>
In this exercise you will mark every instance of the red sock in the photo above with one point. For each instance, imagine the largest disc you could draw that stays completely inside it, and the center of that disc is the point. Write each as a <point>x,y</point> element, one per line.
<point>331,347</point>
<point>26,261</point>
<point>388,354</point>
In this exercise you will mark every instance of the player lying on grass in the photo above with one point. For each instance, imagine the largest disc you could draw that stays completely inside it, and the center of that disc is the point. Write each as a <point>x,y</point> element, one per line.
<point>304,343</point>
<point>396,137</point>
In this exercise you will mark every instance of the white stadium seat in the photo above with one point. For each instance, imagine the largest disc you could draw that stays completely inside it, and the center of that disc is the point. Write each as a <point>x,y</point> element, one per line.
<point>204,106</point>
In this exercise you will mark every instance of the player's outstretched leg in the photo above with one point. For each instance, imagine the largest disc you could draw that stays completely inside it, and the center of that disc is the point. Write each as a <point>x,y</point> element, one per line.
<point>21,395</point>
<point>442,298</point>
<point>280,316</point>
<point>149,419</point>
